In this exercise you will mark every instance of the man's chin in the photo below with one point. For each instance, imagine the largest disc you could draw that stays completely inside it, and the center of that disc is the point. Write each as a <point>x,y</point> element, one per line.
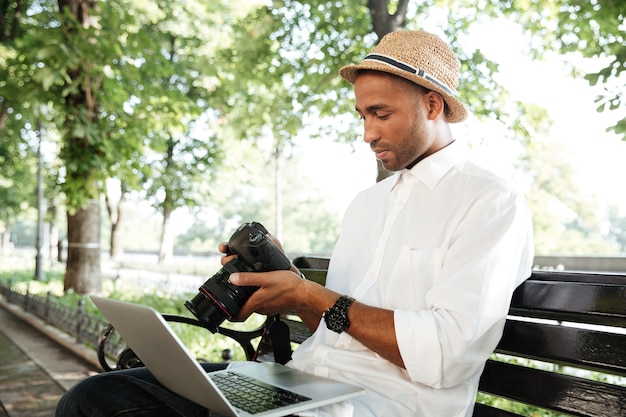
<point>389,165</point>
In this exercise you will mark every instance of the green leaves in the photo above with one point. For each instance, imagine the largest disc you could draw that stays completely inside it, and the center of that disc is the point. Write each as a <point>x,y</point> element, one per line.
<point>147,91</point>
<point>594,29</point>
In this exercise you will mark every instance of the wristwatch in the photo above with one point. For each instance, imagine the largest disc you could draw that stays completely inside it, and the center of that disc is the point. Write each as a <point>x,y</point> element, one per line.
<point>336,317</point>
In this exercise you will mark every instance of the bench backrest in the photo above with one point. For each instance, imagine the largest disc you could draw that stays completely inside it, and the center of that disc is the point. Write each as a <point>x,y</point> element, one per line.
<point>563,348</point>
<point>575,325</point>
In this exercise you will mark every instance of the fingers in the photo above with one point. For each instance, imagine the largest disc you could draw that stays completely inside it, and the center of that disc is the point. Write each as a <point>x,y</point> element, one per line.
<point>269,279</point>
<point>222,247</point>
<point>237,279</point>
<point>274,295</point>
<point>241,316</point>
<point>247,308</point>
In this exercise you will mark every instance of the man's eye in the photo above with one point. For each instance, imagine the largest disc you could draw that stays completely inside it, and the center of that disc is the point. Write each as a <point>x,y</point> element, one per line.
<point>383,116</point>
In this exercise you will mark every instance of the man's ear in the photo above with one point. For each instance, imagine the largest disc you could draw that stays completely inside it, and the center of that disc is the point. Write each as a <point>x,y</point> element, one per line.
<point>436,105</point>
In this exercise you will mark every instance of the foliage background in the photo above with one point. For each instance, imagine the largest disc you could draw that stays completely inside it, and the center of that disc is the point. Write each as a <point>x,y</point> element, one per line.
<point>203,107</point>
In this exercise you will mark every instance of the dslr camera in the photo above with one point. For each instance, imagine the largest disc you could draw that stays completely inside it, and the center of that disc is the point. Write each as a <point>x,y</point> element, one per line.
<point>218,299</point>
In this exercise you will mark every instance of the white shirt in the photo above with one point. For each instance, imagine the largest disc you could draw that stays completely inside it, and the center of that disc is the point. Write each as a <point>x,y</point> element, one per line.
<point>442,245</point>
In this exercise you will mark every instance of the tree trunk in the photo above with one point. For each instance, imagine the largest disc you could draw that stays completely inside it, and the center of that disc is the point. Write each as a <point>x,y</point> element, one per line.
<point>53,247</point>
<point>82,273</point>
<point>82,153</point>
<point>167,236</point>
<point>53,232</point>
<point>382,21</point>
<point>5,242</point>
<point>11,12</point>
<point>117,234</point>
<point>117,241</point>
<point>278,193</point>
<point>166,250</point>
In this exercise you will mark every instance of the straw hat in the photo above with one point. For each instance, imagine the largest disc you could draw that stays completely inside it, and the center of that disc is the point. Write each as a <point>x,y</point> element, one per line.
<point>420,57</point>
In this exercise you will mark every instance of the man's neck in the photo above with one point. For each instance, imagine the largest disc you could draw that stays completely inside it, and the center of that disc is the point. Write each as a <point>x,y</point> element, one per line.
<point>419,158</point>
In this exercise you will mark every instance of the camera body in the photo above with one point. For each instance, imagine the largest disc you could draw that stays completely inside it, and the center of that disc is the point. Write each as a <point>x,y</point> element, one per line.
<point>218,299</point>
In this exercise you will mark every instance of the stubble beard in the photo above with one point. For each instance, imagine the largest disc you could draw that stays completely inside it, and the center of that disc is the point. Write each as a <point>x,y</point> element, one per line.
<point>406,151</point>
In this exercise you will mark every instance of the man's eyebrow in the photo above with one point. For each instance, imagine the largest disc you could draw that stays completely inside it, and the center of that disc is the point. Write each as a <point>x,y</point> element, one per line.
<point>374,107</point>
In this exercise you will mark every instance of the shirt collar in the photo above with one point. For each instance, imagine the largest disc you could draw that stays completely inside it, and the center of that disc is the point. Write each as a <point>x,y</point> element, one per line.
<point>431,169</point>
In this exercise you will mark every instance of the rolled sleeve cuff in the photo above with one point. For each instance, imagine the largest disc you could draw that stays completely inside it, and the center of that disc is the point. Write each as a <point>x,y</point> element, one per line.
<point>415,332</point>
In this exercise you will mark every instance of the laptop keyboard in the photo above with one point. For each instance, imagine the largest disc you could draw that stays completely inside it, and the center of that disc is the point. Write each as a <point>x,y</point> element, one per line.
<point>253,396</point>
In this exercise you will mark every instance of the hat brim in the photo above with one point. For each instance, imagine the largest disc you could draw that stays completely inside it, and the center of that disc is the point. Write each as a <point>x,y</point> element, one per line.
<point>456,109</point>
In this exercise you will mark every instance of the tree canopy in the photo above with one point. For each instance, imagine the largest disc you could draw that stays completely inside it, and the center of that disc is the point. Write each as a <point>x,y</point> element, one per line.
<point>147,93</point>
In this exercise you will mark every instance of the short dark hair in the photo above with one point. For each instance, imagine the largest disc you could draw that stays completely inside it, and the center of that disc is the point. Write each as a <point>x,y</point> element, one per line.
<point>410,84</point>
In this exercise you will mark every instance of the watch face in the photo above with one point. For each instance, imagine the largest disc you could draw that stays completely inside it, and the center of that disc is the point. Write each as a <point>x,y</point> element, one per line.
<point>336,320</point>
<point>336,317</point>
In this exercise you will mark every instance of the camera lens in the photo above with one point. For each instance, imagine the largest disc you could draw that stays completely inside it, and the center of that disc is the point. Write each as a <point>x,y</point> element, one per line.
<point>218,299</point>
<point>206,311</point>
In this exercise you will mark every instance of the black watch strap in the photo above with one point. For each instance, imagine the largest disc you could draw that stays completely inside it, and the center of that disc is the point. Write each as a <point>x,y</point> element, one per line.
<point>336,317</point>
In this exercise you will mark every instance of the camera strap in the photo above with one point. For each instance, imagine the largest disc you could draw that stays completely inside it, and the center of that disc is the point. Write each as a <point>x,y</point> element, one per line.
<point>279,335</point>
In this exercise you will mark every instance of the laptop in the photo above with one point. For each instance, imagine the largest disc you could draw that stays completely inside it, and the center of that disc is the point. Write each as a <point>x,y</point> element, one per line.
<point>167,358</point>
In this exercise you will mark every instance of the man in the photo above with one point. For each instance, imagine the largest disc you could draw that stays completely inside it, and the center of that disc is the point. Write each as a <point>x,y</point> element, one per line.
<point>421,278</point>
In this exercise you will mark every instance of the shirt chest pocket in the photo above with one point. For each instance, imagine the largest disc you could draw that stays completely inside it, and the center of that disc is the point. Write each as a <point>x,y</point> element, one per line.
<point>413,274</point>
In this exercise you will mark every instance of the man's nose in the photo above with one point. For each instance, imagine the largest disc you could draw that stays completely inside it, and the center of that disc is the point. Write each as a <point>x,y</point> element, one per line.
<point>370,133</point>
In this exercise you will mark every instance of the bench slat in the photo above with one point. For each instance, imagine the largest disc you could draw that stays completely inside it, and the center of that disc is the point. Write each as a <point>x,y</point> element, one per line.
<point>311,262</point>
<point>571,301</point>
<point>582,277</point>
<point>561,393</point>
<point>588,349</point>
<point>317,275</point>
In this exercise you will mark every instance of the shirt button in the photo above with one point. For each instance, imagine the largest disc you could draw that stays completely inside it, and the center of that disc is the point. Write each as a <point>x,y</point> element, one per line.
<point>342,346</point>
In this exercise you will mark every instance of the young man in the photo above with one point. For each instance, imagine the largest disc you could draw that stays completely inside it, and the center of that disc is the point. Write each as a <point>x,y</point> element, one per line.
<point>421,278</point>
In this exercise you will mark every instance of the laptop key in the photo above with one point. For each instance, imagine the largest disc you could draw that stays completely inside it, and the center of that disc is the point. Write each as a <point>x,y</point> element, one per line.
<point>254,396</point>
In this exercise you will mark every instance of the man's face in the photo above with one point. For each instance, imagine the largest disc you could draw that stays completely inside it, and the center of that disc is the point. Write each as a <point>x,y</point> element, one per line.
<point>395,119</point>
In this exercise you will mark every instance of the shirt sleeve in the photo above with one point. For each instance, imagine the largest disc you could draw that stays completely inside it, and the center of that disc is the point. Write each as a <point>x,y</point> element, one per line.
<point>490,255</point>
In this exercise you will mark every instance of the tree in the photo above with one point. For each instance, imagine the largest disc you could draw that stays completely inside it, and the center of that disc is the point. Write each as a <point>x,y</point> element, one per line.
<point>310,225</point>
<point>17,128</point>
<point>83,146</point>
<point>57,62</point>
<point>130,79</point>
<point>187,161</point>
<point>178,94</point>
<point>116,214</point>
<point>97,92</point>
<point>591,29</point>
<point>17,180</point>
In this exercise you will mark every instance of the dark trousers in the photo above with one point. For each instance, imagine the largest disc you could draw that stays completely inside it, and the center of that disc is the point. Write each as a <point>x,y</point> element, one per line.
<point>130,392</point>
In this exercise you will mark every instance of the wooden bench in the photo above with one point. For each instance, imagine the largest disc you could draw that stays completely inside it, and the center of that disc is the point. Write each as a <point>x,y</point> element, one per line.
<point>563,348</point>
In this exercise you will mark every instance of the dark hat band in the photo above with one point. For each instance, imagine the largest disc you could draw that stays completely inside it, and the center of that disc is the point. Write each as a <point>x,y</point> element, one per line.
<point>405,67</point>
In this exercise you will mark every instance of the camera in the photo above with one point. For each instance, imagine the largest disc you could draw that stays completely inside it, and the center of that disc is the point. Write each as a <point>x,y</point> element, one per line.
<point>218,299</point>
